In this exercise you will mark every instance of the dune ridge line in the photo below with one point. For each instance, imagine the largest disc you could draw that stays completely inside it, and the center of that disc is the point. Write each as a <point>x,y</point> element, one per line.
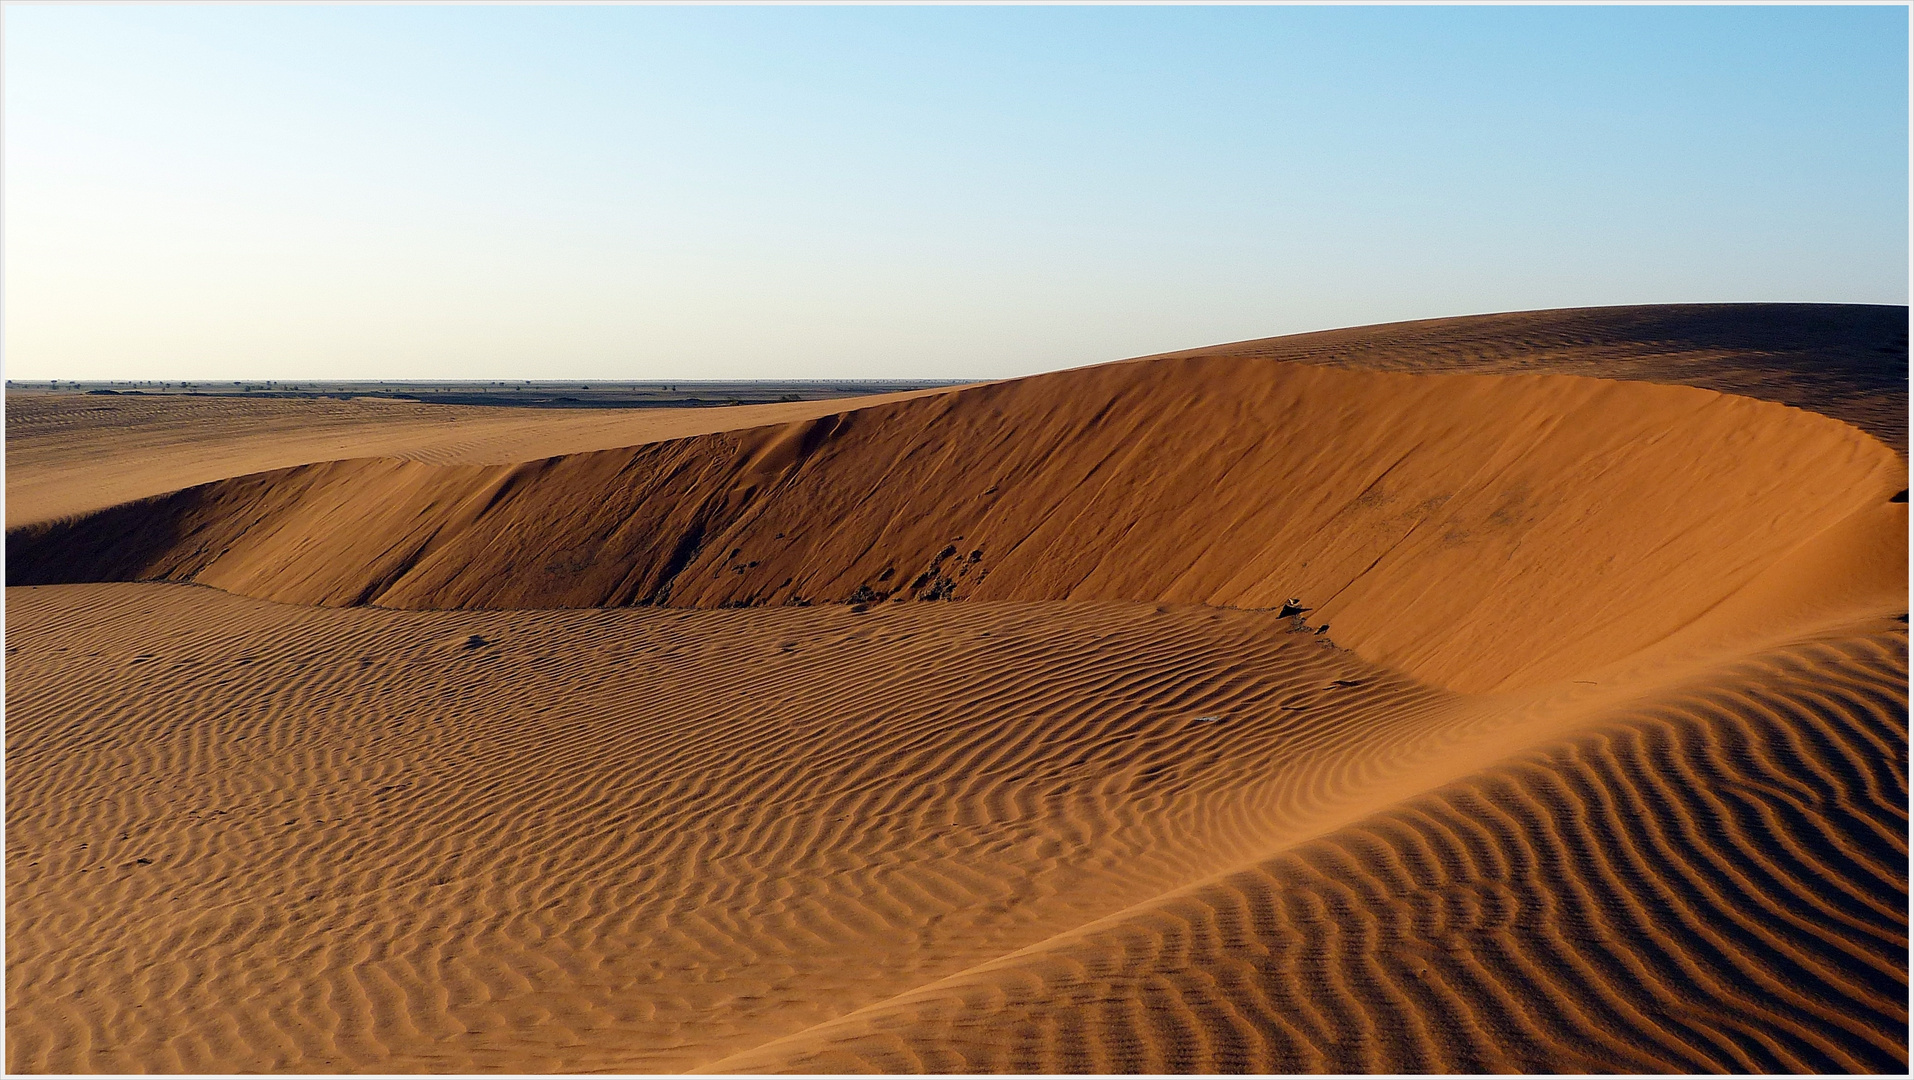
<point>1476,531</point>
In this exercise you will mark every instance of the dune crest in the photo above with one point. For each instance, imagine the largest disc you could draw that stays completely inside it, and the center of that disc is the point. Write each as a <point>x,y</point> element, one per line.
<point>1473,531</point>
<point>65,460</point>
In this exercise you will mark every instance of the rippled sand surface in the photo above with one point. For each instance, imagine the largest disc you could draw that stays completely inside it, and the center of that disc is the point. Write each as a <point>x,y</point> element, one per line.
<point>964,730</point>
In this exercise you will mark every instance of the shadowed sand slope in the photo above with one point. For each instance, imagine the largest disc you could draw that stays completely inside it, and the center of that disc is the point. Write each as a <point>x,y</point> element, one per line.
<point>71,454</point>
<point>1475,531</point>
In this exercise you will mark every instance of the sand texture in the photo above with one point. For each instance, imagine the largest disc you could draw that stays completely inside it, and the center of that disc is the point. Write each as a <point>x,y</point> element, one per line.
<point>1848,361</point>
<point>72,454</point>
<point>959,730</point>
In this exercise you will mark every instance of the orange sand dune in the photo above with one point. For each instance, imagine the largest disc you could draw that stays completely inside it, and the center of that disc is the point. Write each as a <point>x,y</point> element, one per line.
<point>1474,531</point>
<point>70,454</point>
<point>1848,361</point>
<point>1601,765</point>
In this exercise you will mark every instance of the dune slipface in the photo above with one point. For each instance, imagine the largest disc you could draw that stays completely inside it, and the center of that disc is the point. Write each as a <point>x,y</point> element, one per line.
<point>1474,531</point>
<point>71,456</point>
<point>960,731</point>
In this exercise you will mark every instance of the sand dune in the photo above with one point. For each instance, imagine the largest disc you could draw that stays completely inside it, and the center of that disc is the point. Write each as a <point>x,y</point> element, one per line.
<point>1848,361</point>
<point>524,748</point>
<point>69,455</point>
<point>1469,530</point>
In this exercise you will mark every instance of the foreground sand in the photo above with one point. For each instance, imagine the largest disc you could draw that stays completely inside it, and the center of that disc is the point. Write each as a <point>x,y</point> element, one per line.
<point>252,836</point>
<point>1611,776</point>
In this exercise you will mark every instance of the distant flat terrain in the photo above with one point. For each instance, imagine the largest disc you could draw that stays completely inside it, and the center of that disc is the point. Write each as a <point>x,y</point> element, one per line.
<point>971,729</point>
<point>541,394</point>
<point>73,452</point>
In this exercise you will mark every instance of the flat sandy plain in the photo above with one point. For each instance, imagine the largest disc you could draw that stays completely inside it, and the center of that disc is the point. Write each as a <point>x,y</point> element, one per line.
<point>959,730</point>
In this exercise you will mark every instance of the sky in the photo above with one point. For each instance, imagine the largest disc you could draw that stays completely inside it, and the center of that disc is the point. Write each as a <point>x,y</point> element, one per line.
<point>385,192</point>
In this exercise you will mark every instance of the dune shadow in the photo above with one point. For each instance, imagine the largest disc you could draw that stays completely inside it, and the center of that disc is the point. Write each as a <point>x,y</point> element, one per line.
<point>146,540</point>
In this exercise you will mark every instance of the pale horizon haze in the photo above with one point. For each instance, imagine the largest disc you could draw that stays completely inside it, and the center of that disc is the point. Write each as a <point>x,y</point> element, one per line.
<point>722,192</point>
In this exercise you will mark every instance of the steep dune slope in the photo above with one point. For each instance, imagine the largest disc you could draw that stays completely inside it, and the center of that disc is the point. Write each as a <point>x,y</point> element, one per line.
<point>69,454</point>
<point>1474,531</point>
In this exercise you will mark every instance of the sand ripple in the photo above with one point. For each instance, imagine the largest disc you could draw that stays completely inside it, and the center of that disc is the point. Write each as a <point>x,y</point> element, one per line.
<point>1715,881</point>
<point>247,836</point>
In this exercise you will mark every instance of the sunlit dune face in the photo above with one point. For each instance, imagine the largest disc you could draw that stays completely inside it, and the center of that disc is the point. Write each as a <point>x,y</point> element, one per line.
<point>1212,712</point>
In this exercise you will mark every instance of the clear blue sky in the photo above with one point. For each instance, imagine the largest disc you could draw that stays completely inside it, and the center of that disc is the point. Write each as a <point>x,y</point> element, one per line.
<point>733,192</point>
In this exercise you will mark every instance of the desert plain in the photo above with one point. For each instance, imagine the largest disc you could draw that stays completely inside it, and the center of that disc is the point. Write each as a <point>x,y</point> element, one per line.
<point>1516,692</point>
